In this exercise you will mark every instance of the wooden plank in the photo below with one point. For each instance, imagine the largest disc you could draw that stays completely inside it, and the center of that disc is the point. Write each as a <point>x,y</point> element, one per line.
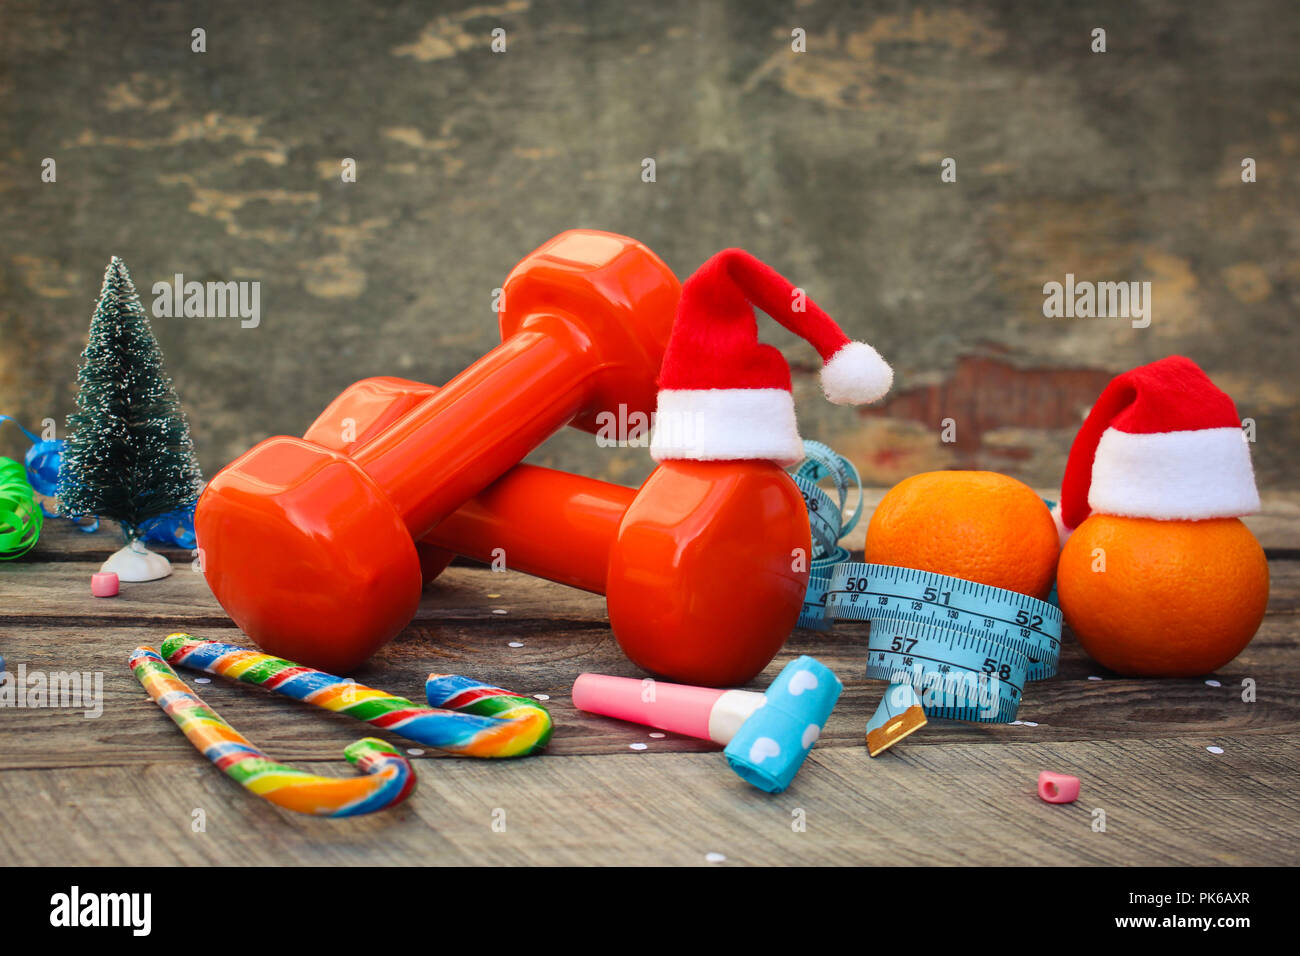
<point>961,804</point>
<point>560,632</point>
<point>61,591</point>
<point>90,786</point>
<point>1068,707</point>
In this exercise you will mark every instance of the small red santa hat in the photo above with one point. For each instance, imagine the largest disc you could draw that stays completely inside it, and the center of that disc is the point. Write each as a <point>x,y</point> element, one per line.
<point>725,397</point>
<point>1162,442</point>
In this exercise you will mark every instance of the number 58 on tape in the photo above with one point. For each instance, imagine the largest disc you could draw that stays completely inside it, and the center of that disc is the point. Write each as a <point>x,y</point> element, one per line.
<point>968,649</point>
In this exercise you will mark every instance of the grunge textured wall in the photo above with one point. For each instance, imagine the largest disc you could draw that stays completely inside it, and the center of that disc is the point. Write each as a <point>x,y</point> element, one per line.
<point>225,165</point>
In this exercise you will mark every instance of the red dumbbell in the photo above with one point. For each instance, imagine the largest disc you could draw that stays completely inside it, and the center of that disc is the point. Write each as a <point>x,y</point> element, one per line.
<point>704,567</point>
<point>312,552</point>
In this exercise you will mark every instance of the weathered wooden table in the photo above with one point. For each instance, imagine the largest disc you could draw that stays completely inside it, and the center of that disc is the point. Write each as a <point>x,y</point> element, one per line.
<point>126,787</point>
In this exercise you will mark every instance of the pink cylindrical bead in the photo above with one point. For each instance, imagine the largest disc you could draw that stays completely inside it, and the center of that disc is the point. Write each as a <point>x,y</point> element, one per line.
<point>103,583</point>
<point>1058,787</point>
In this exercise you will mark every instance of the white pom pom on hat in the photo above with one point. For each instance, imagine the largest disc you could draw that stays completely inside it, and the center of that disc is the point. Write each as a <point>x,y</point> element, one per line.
<point>856,375</point>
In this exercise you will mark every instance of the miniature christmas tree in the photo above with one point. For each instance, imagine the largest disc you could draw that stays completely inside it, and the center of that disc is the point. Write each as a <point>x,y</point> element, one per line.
<point>129,456</point>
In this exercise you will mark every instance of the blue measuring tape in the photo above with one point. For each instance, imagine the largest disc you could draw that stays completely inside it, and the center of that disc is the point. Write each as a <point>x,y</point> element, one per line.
<point>966,649</point>
<point>825,517</point>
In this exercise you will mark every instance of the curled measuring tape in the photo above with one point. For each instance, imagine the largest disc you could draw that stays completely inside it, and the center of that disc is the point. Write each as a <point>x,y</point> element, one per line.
<point>967,649</point>
<point>827,522</point>
<point>949,647</point>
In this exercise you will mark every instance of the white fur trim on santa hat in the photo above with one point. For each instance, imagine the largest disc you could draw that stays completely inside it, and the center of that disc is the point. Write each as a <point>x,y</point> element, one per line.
<point>726,424</point>
<point>1062,532</point>
<point>855,375</point>
<point>1173,476</point>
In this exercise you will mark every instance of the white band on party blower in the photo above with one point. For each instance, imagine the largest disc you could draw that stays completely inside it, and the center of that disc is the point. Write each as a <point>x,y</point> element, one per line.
<point>766,736</point>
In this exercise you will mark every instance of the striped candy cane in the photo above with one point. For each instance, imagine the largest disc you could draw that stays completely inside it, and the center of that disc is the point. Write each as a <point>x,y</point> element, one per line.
<point>464,716</point>
<point>388,778</point>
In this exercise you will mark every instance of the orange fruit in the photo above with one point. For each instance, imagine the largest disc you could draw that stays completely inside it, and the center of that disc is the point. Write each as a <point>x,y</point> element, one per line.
<point>1175,598</point>
<point>976,525</point>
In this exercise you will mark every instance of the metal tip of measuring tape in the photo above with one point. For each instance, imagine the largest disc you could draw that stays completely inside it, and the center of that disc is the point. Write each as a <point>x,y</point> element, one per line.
<point>899,715</point>
<point>881,739</point>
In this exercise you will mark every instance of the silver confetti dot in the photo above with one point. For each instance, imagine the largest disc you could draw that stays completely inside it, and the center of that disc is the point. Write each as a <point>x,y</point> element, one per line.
<point>714,858</point>
<point>637,746</point>
<point>541,697</point>
<point>657,735</point>
<point>203,680</point>
<point>1092,677</point>
<point>499,610</point>
<point>415,751</point>
<point>1212,683</point>
<point>1016,723</point>
<point>1215,750</point>
<point>515,644</point>
<point>1031,723</point>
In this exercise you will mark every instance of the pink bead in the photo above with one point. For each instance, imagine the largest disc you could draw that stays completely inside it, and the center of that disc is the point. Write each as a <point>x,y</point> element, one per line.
<point>103,583</point>
<point>1058,787</point>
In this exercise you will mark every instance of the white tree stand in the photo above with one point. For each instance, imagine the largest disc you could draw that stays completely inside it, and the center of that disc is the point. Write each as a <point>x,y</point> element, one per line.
<point>135,562</point>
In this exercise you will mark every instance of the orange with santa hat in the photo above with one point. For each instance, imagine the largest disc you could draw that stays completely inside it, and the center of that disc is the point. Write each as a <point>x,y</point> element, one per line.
<point>1158,575</point>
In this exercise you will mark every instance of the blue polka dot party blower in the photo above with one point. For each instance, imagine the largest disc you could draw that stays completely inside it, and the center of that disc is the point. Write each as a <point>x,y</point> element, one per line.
<point>766,736</point>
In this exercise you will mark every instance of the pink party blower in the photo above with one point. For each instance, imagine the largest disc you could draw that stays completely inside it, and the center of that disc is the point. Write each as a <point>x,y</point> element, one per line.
<point>766,736</point>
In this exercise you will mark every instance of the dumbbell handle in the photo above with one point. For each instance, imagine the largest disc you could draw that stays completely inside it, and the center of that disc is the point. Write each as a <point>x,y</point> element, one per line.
<point>482,422</point>
<point>532,513</point>
<point>549,524</point>
<point>584,322</point>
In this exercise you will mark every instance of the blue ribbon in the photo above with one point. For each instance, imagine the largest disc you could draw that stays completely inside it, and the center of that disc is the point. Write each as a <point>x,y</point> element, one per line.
<point>174,528</point>
<point>44,460</point>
